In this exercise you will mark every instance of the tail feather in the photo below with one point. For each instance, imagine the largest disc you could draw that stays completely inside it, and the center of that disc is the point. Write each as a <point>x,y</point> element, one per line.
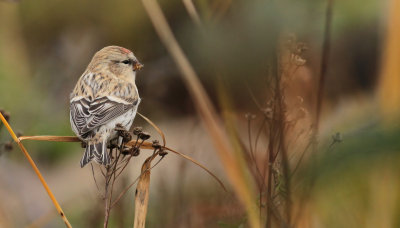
<point>98,152</point>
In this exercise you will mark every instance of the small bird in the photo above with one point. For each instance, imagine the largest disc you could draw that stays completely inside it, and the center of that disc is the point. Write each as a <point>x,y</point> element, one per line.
<point>104,96</point>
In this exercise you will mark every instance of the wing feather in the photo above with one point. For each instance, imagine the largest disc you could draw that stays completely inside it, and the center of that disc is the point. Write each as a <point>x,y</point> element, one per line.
<point>88,115</point>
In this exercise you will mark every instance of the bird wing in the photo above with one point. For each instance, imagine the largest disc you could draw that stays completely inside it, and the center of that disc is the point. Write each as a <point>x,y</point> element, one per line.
<point>87,115</point>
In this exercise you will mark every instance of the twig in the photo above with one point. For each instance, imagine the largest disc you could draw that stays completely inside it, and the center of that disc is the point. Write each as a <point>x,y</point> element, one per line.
<point>94,178</point>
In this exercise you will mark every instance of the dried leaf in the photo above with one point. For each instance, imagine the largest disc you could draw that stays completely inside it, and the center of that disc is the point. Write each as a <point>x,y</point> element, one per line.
<point>142,194</point>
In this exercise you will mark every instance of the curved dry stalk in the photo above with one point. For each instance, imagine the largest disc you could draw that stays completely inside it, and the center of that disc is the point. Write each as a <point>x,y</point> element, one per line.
<point>198,164</point>
<point>155,127</point>
<point>30,160</point>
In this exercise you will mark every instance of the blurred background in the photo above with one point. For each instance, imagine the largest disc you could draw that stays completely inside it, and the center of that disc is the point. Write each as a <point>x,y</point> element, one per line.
<point>350,180</point>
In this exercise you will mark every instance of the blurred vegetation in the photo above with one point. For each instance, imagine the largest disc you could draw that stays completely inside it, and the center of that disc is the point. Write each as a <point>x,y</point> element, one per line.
<point>46,45</point>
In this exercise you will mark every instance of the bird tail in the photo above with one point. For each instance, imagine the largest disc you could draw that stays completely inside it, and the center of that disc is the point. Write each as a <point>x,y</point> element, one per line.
<point>96,151</point>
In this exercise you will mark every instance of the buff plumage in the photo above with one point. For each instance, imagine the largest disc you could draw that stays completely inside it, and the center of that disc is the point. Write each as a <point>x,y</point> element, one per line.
<point>104,96</point>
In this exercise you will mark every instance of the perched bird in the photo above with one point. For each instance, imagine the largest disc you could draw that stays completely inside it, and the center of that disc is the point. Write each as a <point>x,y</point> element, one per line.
<point>104,96</point>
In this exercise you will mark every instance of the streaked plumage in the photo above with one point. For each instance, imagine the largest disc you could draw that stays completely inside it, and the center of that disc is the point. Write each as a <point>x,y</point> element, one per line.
<point>105,95</point>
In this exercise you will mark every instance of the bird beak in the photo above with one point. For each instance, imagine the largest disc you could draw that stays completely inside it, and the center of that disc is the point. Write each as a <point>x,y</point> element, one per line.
<point>137,66</point>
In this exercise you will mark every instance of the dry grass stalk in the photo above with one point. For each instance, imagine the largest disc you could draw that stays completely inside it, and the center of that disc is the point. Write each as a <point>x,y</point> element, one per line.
<point>50,138</point>
<point>236,175</point>
<point>155,127</point>
<point>46,187</point>
<point>191,9</point>
<point>324,63</point>
<point>389,81</point>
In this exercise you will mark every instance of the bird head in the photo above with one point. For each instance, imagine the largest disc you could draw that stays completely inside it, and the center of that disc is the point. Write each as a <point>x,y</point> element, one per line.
<point>117,60</point>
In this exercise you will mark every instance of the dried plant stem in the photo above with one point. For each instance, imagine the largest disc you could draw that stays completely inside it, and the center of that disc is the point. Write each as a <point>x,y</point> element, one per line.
<point>206,111</point>
<point>107,209</point>
<point>110,177</point>
<point>191,9</point>
<point>155,127</point>
<point>46,187</point>
<point>388,92</point>
<point>51,138</point>
<point>324,64</point>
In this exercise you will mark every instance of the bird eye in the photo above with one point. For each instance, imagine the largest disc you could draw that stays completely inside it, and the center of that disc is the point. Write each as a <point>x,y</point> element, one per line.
<point>128,61</point>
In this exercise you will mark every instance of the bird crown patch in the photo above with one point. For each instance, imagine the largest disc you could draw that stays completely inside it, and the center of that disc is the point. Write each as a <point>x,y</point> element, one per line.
<point>126,51</point>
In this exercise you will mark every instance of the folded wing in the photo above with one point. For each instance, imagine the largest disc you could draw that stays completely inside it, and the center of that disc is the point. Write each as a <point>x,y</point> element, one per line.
<point>88,115</point>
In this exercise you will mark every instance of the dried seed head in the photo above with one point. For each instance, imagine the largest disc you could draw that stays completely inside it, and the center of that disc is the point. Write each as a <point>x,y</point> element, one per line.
<point>137,130</point>
<point>270,103</point>
<point>134,151</point>
<point>162,152</point>
<point>302,113</point>
<point>301,47</point>
<point>126,151</point>
<point>122,132</point>
<point>250,116</point>
<point>144,135</point>
<point>126,136</point>
<point>5,114</point>
<point>19,134</point>
<point>268,112</point>
<point>156,144</point>
<point>298,60</point>
<point>300,99</point>
<point>8,146</point>
<point>337,138</point>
